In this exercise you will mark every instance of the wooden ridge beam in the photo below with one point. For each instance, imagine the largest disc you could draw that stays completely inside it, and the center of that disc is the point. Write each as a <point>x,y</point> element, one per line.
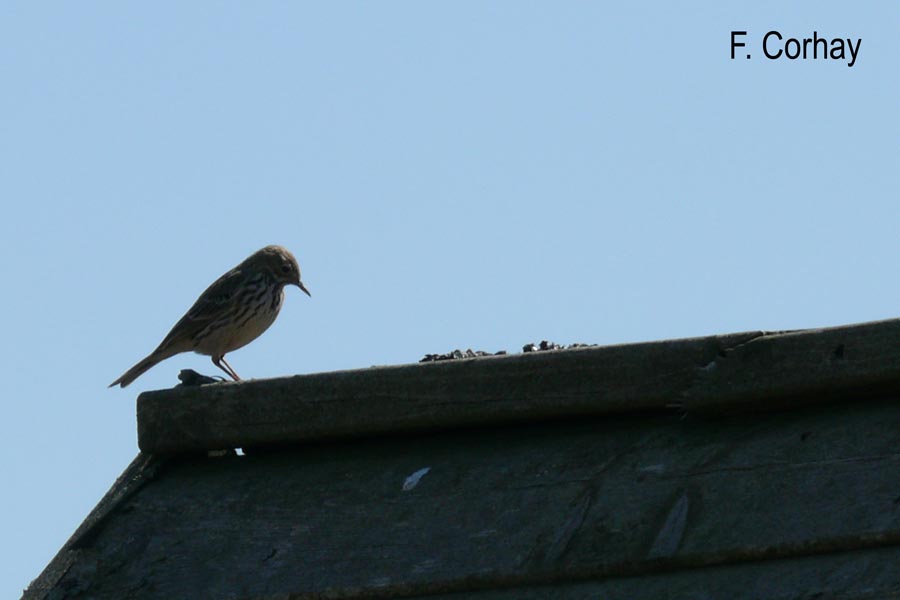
<point>741,371</point>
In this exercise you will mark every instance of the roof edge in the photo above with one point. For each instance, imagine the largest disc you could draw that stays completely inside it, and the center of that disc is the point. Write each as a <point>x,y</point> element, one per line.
<point>742,371</point>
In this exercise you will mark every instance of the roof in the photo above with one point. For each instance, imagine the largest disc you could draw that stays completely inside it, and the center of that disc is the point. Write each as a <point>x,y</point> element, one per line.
<point>753,370</point>
<point>738,465</point>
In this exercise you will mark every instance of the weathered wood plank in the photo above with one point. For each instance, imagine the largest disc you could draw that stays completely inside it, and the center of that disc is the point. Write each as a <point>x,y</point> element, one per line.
<point>781,370</point>
<point>746,370</point>
<point>863,575</point>
<point>510,507</point>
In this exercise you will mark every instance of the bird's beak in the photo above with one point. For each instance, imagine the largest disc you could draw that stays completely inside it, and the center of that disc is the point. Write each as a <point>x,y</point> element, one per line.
<point>303,287</point>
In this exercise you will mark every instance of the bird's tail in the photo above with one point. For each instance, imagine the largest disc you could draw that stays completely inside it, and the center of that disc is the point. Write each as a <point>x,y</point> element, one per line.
<point>140,368</point>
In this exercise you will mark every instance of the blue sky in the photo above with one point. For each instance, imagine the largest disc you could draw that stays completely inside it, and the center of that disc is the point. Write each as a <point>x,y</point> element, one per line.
<point>450,175</point>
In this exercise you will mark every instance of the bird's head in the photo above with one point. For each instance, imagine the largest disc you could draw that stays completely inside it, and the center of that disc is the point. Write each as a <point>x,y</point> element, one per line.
<point>281,265</point>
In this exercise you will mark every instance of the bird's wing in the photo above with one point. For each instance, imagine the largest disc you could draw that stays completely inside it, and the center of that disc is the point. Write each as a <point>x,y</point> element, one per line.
<point>211,304</point>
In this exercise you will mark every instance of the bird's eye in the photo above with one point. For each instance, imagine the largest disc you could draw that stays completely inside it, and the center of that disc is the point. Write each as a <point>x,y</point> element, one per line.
<point>285,268</point>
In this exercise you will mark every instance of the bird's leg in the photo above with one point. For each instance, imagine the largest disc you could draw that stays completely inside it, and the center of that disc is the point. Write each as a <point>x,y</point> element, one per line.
<point>233,372</point>
<point>218,360</point>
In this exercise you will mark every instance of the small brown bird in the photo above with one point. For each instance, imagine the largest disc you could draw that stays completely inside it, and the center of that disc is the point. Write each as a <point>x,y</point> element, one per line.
<point>231,313</point>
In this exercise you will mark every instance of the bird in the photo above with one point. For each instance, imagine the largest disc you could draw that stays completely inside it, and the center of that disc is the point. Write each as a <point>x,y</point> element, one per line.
<point>232,312</point>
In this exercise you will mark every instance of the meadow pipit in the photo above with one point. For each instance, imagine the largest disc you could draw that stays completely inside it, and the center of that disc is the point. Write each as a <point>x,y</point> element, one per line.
<point>231,313</point>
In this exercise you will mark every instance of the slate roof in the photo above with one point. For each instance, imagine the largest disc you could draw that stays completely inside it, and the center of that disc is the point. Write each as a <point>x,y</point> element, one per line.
<point>738,466</point>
